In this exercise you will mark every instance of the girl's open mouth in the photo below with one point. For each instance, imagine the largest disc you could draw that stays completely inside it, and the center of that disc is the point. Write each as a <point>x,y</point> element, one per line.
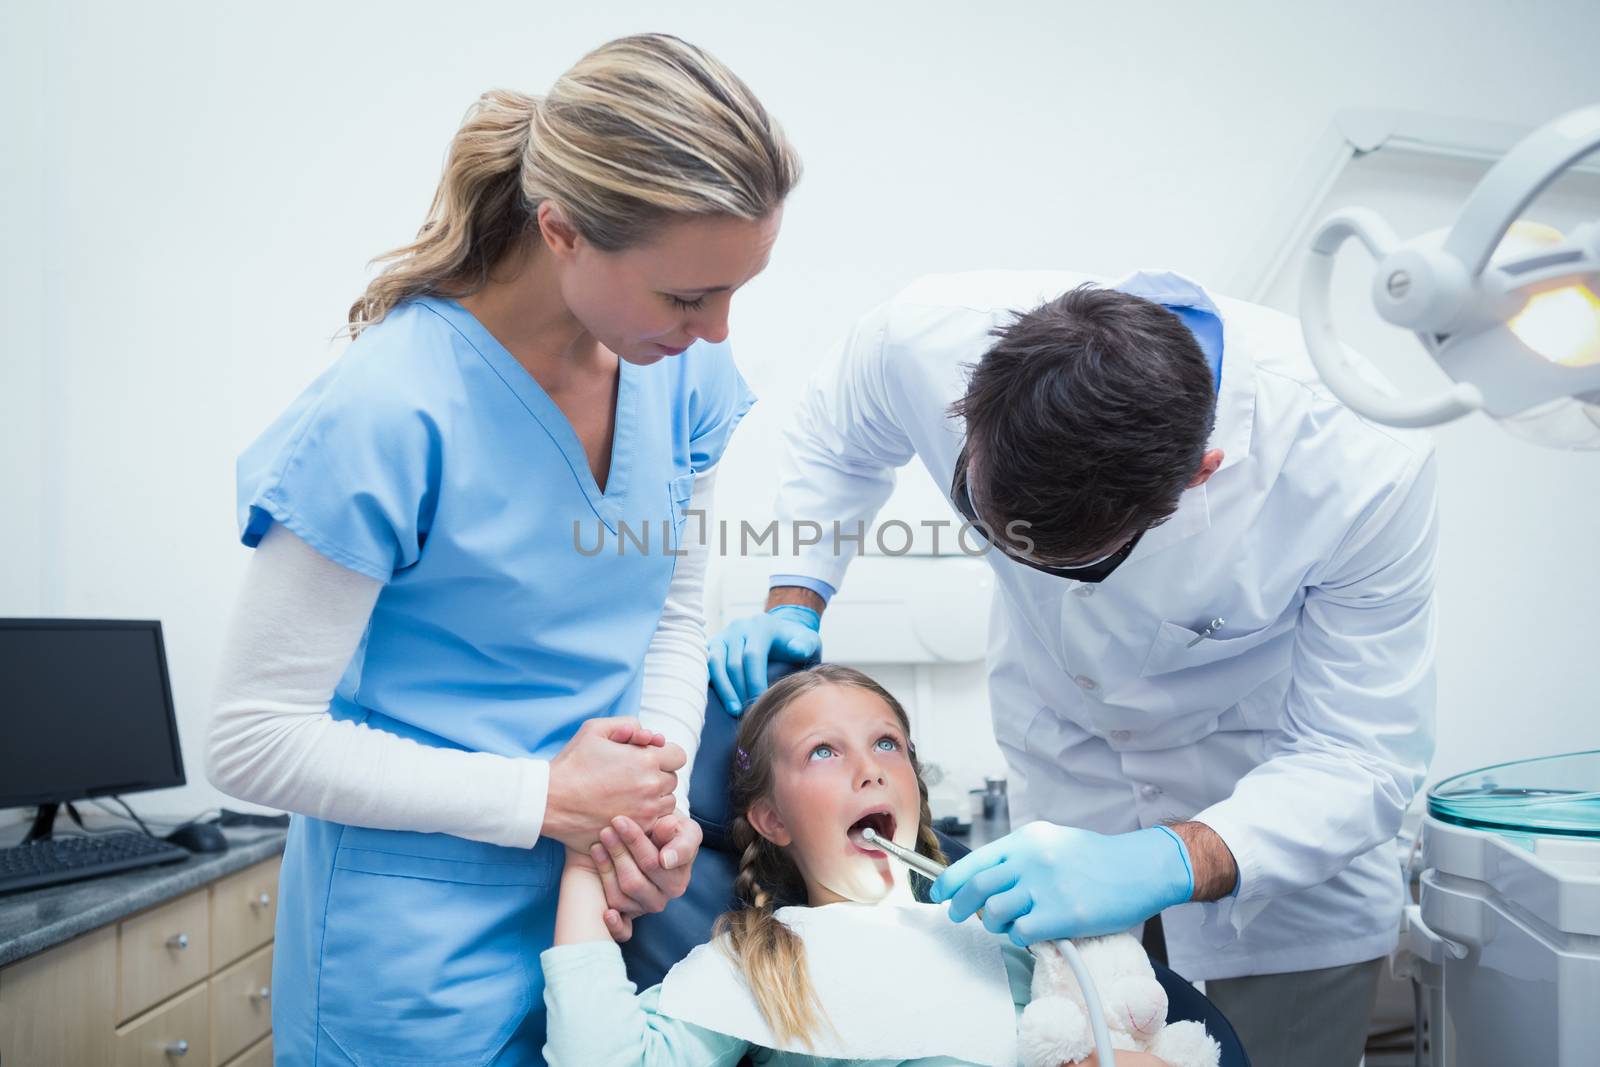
<point>882,823</point>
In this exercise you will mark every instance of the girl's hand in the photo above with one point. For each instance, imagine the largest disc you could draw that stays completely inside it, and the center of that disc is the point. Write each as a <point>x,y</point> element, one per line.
<point>618,925</point>
<point>582,913</point>
<point>579,860</point>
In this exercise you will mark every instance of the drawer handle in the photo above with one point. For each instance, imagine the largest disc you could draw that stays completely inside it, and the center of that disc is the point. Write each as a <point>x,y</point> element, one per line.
<point>264,993</point>
<point>263,901</point>
<point>178,1048</point>
<point>178,941</point>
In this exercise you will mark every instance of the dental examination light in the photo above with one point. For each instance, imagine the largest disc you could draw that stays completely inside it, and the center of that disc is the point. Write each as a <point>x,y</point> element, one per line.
<point>1508,309</point>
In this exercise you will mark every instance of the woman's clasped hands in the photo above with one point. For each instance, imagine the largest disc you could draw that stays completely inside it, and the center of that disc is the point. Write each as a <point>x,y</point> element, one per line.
<point>611,803</point>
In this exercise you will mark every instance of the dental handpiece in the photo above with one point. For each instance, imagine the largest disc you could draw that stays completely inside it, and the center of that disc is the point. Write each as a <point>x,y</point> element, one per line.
<point>915,860</point>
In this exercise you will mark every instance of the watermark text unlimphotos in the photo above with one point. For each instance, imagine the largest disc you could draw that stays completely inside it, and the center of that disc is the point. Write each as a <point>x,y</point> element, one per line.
<point>801,536</point>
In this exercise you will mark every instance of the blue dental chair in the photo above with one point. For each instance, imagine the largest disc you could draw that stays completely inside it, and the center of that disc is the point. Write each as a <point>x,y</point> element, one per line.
<point>659,941</point>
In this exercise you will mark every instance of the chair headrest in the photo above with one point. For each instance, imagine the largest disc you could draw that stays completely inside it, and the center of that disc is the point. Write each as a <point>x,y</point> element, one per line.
<point>713,766</point>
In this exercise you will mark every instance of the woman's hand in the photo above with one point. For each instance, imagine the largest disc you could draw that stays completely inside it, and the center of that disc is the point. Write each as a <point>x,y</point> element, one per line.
<point>610,767</point>
<point>642,871</point>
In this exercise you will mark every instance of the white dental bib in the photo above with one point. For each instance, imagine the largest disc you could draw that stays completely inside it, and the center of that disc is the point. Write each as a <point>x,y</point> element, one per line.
<point>897,981</point>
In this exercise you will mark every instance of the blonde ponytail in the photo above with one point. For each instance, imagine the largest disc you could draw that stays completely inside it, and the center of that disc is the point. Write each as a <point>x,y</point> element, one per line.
<point>477,214</point>
<point>642,130</point>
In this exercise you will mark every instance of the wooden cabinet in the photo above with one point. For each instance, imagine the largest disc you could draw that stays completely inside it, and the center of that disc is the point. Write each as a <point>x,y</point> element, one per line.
<point>244,907</point>
<point>46,1000</point>
<point>186,982</point>
<point>162,951</point>
<point>241,1005</point>
<point>178,1031</point>
<point>258,1055</point>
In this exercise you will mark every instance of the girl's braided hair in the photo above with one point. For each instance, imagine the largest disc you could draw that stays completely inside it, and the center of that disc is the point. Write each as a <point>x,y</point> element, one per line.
<point>770,955</point>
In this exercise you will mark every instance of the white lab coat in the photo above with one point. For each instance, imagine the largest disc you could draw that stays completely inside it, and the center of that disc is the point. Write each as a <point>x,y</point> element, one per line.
<point>1299,730</point>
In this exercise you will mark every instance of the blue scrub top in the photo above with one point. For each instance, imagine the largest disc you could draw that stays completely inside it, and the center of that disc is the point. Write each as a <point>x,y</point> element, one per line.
<point>429,459</point>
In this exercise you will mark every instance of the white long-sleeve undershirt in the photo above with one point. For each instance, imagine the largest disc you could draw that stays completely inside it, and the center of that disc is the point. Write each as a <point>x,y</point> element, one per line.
<point>297,622</point>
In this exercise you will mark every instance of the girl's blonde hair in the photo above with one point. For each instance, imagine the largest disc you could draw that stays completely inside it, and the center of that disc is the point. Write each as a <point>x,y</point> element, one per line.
<point>642,130</point>
<point>771,956</point>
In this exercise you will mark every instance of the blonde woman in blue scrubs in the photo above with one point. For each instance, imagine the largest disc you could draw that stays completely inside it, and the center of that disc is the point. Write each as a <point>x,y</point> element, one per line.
<point>429,663</point>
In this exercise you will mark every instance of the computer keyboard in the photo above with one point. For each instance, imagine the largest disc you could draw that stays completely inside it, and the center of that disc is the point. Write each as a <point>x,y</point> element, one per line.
<point>66,859</point>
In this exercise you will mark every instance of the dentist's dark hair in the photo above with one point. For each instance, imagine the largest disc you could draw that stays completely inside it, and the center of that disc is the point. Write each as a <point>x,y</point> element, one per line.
<point>1086,420</point>
<point>769,954</point>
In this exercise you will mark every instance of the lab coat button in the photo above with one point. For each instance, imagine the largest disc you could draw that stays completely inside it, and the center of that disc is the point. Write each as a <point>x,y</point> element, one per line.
<point>1087,683</point>
<point>1149,792</point>
<point>1121,735</point>
<point>1084,590</point>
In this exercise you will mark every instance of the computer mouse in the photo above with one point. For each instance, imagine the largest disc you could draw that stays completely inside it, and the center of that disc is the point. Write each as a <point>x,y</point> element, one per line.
<point>199,837</point>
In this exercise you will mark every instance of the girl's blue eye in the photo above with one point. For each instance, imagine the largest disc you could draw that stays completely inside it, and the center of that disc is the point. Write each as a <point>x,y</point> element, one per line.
<point>894,746</point>
<point>687,305</point>
<point>822,748</point>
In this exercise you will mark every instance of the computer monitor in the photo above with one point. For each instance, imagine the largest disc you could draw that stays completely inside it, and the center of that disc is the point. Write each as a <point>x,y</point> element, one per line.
<point>85,710</point>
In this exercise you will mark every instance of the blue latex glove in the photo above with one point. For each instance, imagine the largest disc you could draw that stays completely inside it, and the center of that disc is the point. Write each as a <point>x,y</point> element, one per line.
<point>739,654</point>
<point>1046,881</point>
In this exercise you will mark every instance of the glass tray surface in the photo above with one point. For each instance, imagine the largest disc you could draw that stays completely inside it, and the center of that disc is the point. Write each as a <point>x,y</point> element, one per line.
<point>1552,795</point>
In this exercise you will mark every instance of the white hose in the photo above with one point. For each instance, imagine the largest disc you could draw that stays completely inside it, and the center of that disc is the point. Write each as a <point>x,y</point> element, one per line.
<point>1091,997</point>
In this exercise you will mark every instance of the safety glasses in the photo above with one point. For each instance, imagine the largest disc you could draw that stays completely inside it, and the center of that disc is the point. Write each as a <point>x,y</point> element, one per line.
<point>1097,571</point>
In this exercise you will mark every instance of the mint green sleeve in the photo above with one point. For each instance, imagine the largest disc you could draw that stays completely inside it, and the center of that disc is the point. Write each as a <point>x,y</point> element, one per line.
<point>595,1020</point>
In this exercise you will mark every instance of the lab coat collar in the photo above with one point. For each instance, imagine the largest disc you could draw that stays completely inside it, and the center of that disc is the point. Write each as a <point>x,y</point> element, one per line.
<point>1236,400</point>
<point>1167,287</point>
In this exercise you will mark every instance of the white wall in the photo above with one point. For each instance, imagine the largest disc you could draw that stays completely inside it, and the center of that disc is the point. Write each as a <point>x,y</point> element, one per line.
<point>191,191</point>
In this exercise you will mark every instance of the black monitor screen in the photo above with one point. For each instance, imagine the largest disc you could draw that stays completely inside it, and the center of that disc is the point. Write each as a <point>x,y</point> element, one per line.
<point>85,710</point>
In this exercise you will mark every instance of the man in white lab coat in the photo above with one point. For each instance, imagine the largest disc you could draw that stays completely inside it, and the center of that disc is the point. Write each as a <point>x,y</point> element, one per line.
<point>1211,662</point>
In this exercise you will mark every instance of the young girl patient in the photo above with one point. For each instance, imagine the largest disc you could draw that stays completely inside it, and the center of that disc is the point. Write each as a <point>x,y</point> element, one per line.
<point>821,755</point>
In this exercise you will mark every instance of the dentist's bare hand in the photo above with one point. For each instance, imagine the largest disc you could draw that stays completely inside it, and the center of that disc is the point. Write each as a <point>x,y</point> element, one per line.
<point>642,871</point>
<point>610,767</point>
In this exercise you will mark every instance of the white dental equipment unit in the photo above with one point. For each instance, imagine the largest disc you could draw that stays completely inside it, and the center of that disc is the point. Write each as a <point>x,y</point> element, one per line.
<point>1504,946</point>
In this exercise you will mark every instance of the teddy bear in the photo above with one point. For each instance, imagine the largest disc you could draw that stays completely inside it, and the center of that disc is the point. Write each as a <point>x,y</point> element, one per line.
<point>1055,1025</point>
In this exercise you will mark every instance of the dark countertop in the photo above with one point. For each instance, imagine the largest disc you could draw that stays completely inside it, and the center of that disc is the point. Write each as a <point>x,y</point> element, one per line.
<point>36,919</point>
<point>985,830</point>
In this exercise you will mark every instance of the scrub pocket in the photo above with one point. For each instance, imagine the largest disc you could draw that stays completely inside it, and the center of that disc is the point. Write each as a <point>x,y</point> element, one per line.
<point>679,491</point>
<point>431,950</point>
